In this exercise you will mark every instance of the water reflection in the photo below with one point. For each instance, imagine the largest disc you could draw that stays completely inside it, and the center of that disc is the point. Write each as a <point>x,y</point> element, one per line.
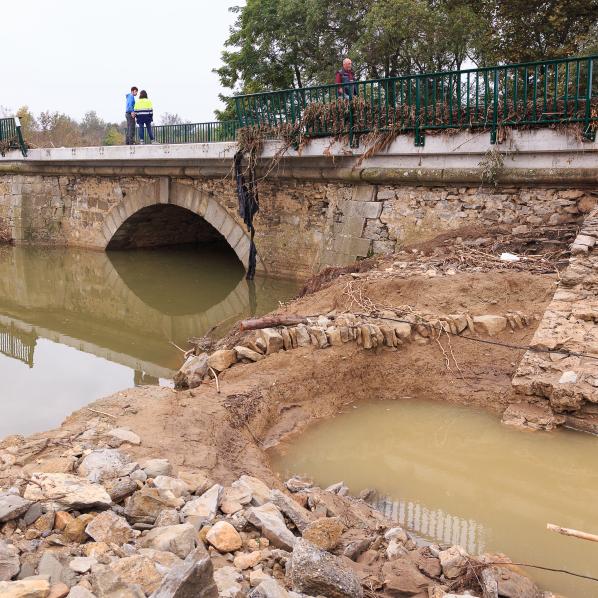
<point>118,313</point>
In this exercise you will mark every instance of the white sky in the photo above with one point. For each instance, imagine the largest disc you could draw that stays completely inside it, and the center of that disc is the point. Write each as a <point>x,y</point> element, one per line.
<point>77,55</point>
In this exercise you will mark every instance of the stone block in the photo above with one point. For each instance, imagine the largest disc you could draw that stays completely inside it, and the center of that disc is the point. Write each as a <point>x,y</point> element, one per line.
<point>351,246</point>
<point>164,190</point>
<point>364,193</point>
<point>369,209</point>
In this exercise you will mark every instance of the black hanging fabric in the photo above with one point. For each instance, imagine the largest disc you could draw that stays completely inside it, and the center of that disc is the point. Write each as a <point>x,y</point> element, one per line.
<point>248,207</point>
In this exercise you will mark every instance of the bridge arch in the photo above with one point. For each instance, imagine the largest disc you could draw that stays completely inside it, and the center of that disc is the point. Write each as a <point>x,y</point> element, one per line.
<point>163,193</point>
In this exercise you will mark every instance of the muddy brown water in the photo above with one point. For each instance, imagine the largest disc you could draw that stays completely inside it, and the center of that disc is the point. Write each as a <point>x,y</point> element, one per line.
<point>457,475</point>
<point>78,325</point>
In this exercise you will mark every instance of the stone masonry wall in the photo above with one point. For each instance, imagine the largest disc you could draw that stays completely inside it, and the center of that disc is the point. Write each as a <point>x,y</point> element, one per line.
<point>568,384</point>
<point>302,225</point>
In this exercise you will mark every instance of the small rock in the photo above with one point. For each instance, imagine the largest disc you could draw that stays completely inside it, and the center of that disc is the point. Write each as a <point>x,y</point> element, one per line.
<point>167,517</point>
<point>204,508</point>
<point>176,486</point>
<point>75,529</point>
<point>270,521</point>
<point>260,493</point>
<point>26,588</point>
<point>568,377</point>
<point>12,506</point>
<point>148,502</point>
<point>80,592</point>
<point>51,565</point>
<point>193,578</point>
<point>59,590</point>
<point>297,484</point>
<point>247,353</point>
<point>224,537</point>
<point>95,549</point>
<point>33,514</point>
<point>123,435</point>
<point>299,515</point>
<point>62,519</point>
<point>402,578</point>
<point>103,464</point>
<point>119,488</point>
<point>272,339</point>
<point>317,572</point>
<point>247,560</point>
<point>453,561</point>
<point>197,482</point>
<point>9,561</point>
<point>222,359</point>
<point>257,576</point>
<point>82,564</point>
<point>490,324</point>
<point>157,467</point>
<point>138,570</point>
<point>110,528</point>
<point>269,588</point>
<point>228,582</point>
<point>192,373</point>
<point>178,539</point>
<point>108,584</point>
<point>325,533</point>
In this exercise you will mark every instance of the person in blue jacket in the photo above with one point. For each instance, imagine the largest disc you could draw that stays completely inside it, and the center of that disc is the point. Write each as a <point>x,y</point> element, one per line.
<point>144,113</point>
<point>130,116</point>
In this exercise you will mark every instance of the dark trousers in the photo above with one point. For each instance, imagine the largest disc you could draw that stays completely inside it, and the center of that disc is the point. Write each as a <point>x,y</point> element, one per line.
<point>130,128</point>
<point>149,131</point>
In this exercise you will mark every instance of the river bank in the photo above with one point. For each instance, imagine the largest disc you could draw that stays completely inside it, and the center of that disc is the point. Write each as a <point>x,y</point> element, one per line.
<point>218,431</point>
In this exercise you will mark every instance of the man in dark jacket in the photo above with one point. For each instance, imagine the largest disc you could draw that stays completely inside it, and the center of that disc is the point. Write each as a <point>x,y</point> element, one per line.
<point>346,78</point>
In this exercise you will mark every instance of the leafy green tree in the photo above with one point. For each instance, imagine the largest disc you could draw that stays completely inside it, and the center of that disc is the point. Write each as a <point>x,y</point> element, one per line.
<point>93,128</point>
<point>113,136</point>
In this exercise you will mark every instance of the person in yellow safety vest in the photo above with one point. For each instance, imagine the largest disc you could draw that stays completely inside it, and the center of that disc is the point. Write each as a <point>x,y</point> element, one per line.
<point>144,113</point>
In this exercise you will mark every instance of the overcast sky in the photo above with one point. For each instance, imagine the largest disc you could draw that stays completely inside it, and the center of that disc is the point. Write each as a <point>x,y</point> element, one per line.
<point>76,55</point>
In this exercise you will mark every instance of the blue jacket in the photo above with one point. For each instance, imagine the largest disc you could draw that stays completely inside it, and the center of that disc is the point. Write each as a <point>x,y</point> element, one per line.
<point>130,103</point>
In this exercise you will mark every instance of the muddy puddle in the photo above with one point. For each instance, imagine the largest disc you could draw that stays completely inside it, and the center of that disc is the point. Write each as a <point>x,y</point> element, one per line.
<point>78,325</point>
<point>455,474</point>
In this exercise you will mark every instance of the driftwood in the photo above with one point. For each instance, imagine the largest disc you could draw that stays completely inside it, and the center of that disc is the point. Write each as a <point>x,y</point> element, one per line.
<point>271,321</point>
<point>571,532</point>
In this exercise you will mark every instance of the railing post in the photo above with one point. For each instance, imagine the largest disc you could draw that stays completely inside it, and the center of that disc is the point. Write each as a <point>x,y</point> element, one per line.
<point>589,133</point>
<point>22,145</point>
<point>494,108</point>
<point>419,135</point>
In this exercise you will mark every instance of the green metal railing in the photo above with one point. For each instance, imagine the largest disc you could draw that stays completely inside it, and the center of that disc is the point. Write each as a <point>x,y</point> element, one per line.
<point>545,93</point>
<point>11,136</point>
<point>195,132</point>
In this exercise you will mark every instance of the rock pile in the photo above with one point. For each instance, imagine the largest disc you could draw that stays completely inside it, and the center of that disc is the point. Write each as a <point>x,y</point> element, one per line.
<point>110,527</point>
<point>388,329</point>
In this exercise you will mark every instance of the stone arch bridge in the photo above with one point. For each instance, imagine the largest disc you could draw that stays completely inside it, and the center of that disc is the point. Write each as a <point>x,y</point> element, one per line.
<point>324,206</point>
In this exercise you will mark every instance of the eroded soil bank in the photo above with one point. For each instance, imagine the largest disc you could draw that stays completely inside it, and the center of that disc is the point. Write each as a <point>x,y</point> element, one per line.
<point>221,430</point>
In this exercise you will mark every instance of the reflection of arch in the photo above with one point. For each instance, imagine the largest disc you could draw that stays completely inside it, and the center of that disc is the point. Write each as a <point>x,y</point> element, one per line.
<point>184,196</point>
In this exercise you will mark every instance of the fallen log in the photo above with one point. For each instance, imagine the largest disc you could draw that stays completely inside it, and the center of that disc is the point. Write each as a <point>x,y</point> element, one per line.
<point>271,321</point>
<point>571,532</point>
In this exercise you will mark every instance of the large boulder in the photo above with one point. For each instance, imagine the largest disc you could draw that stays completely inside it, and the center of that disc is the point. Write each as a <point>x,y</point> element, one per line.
<point>260,493</point>
<point>12,506</point>
<point>26,588</point>
<point>104,464</point>
<point>453,561</point>
<point>318,573</point>
<point>175,485</point>
<point>402,578</point>
<point>65,492</point>
<point>269,520</point>
<point>178,539</point>
<point>299,515</point>
<point>193,578</point>
<point>271,339</point>
<point>228,581</point>
<point>110,528</point>
<point>9,561</point>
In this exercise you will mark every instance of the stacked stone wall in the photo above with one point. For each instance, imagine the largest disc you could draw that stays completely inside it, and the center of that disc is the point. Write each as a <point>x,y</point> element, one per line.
<point>302,225</point>
<point>568,384</point>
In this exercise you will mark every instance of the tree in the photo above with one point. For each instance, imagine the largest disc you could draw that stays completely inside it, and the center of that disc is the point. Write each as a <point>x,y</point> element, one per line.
<point>93,128</point>
<point>279,44</point>
<point>113,136</point>
<point>172,119</point>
